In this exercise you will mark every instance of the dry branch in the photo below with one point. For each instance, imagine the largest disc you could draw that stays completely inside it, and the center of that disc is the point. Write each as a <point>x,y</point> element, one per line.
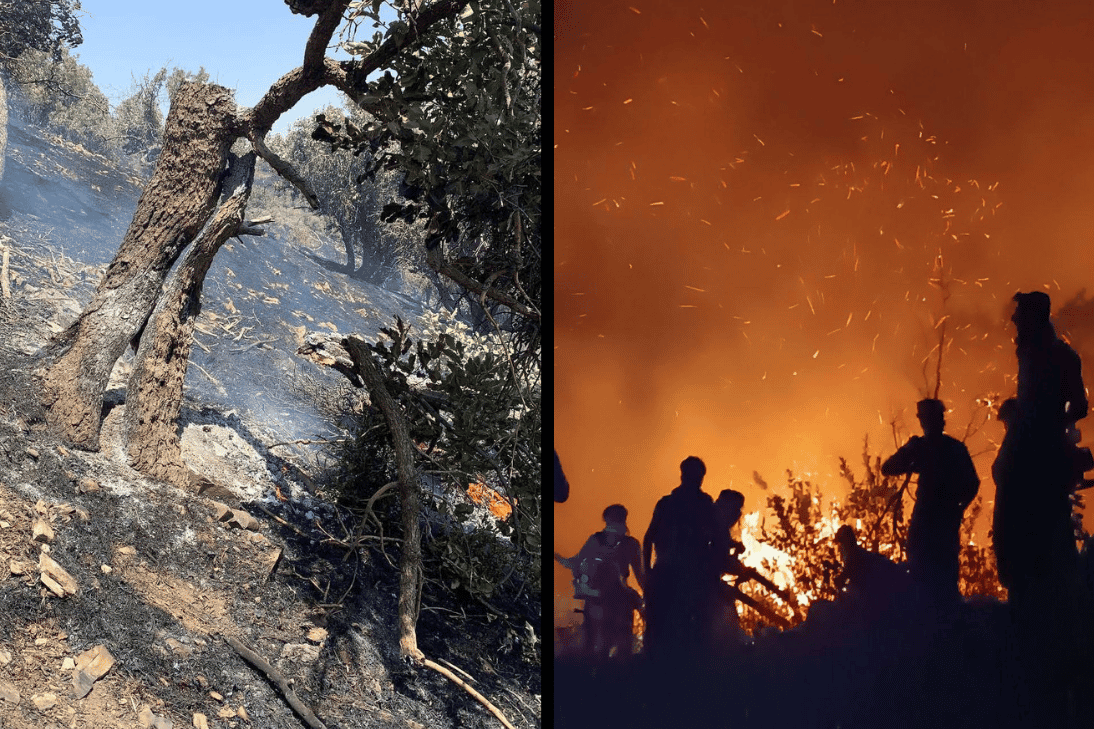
<point>278,680</point>
<point>283,168</point>
<point>410,563</point>
<point>445,267</point>
<point>466,687</point>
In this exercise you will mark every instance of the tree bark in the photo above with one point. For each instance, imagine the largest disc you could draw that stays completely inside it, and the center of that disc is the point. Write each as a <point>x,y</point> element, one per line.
<point>154,396</point>
<point>410,563</point>
<point>173,208</point>
<point>3,126</point>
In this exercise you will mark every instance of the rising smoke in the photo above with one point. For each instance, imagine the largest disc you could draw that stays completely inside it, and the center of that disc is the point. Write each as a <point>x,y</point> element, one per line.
<point>769,212</point>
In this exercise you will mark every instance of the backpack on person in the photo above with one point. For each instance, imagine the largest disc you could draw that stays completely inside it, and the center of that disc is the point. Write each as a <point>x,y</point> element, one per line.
<point>594,574</point>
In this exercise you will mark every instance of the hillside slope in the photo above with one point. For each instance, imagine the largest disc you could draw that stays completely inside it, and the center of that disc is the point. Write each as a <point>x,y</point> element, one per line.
<point>153,575</point>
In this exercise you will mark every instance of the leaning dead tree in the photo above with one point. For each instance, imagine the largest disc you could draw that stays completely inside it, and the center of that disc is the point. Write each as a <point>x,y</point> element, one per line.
<point>196,199</point>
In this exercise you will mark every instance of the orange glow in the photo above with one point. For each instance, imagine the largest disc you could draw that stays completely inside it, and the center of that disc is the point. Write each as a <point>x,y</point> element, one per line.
<point>771,285</point>
<point>481,493</point>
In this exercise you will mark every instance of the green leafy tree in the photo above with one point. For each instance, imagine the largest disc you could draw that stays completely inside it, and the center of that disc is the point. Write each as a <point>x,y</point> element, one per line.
<point>472,425</point>
<point>46,26</point>
<point>59,94</point>
<point>460,119</point>
<point>372,253</point>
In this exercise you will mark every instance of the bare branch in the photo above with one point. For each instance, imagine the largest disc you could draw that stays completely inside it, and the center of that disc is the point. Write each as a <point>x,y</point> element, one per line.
<point>348,76</point>
<point>319,39</point>
<point>283,168</point>
<point>444,267</point>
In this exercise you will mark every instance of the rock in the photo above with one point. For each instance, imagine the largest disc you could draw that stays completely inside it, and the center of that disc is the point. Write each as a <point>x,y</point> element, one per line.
<point>57,574</point>
<point>5,657</point>
<point>222,511</point>
<point>300,652</point>
<point>42,531</point>
<point>50,583</point>
<point>179,649</point>
<point>9,693</point>
<point>216,696</point>
<point>87,486</point>
<point>242,714</point>
<point>18,567</point>
<point>91,665</point>
<point>44,702</point>
<point>68,664</point>
<point>243,520</point>
<point>150,720</point>
<point>200,722</point>
<point>317,635</point>
<point>211,489</point>
<point>270,560</point>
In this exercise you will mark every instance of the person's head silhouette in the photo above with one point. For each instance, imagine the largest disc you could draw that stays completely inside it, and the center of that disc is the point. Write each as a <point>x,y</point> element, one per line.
<point>1031,318</point>
<point>729,505</point>
<point>932,416</point>
<point>615,519</point>
<point>692,471</point>
<point>1008,411</point>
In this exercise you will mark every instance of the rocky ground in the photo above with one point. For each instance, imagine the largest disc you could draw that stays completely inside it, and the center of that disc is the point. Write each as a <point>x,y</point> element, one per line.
<point>118,594</point>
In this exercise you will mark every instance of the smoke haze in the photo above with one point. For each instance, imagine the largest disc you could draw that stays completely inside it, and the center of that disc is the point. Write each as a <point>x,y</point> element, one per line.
<point>764,213</point>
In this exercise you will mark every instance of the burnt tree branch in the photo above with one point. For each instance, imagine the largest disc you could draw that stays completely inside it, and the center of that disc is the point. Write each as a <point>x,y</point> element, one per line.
<point>284,168</point>
<point>155,388</point>
<point>410,562</point>
<point>441,265</point>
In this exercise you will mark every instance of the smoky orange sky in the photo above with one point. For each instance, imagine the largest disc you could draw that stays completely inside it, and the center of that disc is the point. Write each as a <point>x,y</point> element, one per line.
<point>764,210</point>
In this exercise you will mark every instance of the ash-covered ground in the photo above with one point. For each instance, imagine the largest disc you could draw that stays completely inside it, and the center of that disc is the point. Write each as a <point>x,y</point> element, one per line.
<point>151,573</point>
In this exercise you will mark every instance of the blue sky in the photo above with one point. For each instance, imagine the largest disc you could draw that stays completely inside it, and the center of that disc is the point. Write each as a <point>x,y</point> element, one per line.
<point>243,44</point>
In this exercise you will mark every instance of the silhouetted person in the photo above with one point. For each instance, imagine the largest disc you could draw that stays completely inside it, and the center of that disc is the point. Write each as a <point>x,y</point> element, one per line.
<point>727,511</point>
<point>1035,471</point>
<point>600,579</point>
<point>684,534</point>
<point>872,581</point>
<point>947,484</point>
<point>562,487</point>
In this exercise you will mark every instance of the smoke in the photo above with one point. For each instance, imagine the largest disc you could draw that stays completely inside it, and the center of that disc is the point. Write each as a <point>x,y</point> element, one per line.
<point>764,213</point>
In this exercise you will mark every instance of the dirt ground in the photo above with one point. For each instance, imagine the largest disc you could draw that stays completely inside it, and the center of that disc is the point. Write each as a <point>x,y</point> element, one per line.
<point>155,579</point>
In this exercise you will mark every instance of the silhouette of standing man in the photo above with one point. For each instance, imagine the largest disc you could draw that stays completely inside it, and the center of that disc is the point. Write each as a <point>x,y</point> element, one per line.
<point>684,535</point>
<point>947,484</point>
<point>1034,471</point>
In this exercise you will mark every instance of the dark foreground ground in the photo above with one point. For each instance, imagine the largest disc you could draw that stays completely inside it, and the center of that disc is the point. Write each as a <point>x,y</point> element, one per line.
<point>977,668</point>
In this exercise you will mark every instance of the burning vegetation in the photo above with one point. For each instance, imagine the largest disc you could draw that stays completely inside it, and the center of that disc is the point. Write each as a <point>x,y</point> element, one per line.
<point>779,226</point>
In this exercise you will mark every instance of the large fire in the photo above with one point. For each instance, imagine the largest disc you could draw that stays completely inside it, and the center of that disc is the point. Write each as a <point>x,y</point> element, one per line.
<point>770,215</point>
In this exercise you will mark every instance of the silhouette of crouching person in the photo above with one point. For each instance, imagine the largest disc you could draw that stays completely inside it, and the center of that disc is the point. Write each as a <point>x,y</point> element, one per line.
<point>680,585</point>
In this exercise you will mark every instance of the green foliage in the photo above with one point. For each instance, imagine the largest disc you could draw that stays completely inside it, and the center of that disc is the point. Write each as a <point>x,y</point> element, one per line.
<point>459,118</point>
<point>472,425</point>
<point>60,95</point>
<point>47,26</point>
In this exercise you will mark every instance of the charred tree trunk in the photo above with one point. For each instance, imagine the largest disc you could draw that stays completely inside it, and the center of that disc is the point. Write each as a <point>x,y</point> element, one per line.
<point>172,210</point>
<point>410,563</point>
<point>155,388</point>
